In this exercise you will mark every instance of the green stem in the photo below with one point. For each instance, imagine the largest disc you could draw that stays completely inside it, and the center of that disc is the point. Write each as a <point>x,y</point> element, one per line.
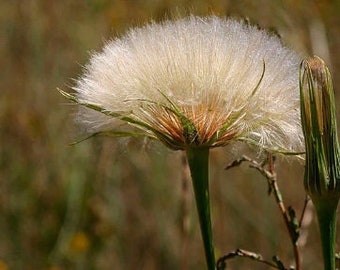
<point>198,159</point>
<point>326,212</point>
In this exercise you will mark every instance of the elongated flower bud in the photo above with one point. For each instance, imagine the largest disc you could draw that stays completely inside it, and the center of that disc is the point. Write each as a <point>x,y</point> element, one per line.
<point>322,177</point>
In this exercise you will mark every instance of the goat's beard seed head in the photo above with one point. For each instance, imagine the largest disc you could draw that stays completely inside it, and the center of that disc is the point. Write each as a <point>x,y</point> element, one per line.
<point>196,82</point>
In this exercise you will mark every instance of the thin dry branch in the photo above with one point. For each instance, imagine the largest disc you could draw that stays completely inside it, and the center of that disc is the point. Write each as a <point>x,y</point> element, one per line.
<point>267,169</point>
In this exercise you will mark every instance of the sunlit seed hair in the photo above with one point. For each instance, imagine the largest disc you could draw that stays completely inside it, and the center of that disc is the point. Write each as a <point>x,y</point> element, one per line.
<point>195,82</point>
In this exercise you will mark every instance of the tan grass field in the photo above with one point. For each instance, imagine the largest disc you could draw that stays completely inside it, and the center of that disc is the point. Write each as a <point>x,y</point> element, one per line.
<point>119,204</point>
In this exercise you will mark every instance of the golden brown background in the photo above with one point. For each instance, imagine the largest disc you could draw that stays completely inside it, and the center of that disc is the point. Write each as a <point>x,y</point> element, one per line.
<point>108,204</point>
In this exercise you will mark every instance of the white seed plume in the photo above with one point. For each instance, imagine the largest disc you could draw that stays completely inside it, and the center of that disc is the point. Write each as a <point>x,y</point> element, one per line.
<point>195,82</point>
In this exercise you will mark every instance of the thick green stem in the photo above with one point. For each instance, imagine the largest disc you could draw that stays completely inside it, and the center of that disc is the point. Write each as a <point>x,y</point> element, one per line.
<point>326,212</point>
<point>198,159</point>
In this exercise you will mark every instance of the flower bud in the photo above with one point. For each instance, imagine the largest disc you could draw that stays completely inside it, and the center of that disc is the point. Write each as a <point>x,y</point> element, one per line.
<point>322,175</point>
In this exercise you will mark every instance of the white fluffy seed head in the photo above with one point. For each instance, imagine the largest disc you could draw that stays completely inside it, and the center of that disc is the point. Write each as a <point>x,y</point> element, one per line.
<point>198,81</point>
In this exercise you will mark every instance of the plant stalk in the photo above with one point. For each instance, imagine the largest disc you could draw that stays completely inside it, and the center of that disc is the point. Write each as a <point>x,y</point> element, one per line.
<point>326,212</point>
<point>278,197</point>
<point>198,159</point>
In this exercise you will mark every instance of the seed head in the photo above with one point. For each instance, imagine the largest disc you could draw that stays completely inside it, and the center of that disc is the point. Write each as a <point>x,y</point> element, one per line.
<point>195,82</point>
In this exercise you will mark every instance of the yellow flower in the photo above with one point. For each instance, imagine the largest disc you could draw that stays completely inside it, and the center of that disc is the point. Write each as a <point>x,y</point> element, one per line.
<point>80,242</point>
<point>3,266</point>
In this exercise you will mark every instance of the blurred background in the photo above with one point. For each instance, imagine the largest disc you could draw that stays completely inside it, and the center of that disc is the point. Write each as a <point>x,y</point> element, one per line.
<point>126,204</point>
